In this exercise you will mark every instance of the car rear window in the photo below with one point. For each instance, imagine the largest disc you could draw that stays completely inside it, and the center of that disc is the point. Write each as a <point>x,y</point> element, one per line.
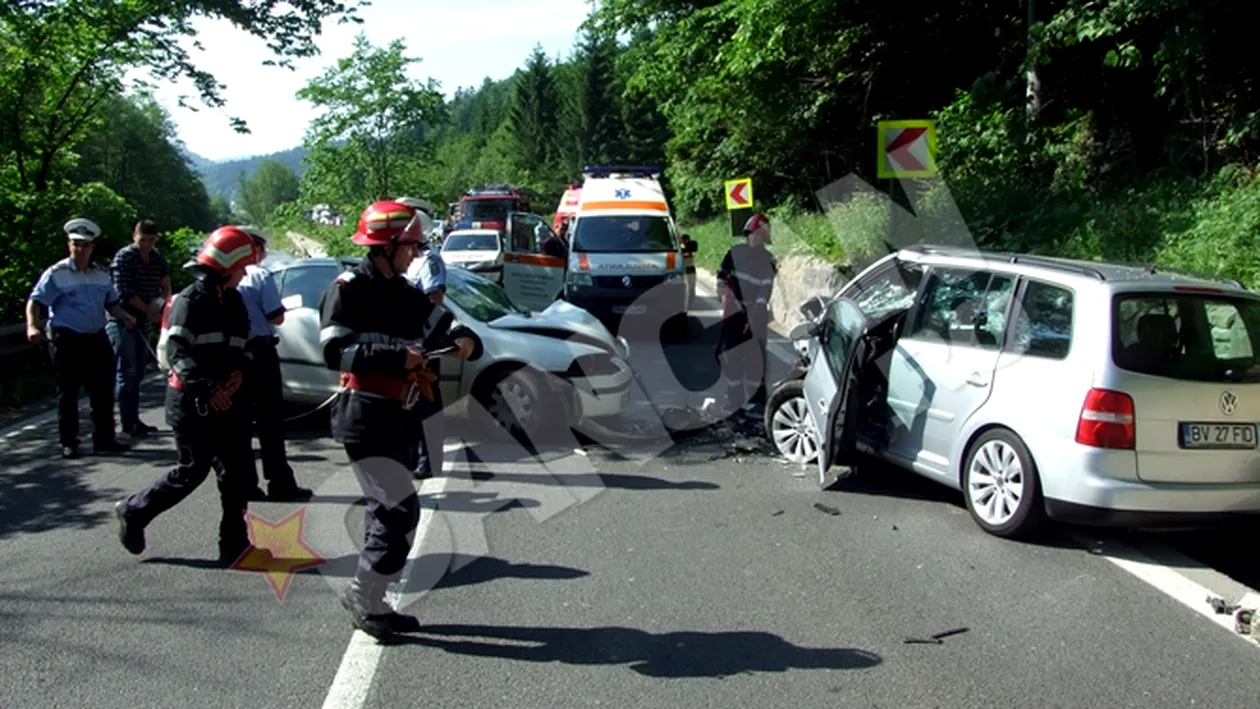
<point>1187,336</point>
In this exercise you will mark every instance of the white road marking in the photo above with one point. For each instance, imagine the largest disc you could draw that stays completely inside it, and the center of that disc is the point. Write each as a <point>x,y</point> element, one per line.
<point>353,681</point>
<point>1166,580</point>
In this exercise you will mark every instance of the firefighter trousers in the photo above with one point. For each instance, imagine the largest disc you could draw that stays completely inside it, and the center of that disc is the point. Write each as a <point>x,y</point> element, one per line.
<point>432,439</point>
<point>743,356</point>
<point>202,447</point>
<point>389,524</point>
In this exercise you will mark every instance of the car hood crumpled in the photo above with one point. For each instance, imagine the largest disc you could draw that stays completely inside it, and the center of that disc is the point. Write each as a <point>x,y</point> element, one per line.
<point>561,320</point>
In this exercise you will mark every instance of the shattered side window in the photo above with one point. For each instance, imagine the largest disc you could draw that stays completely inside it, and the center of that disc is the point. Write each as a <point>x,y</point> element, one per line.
<point>892,288</point>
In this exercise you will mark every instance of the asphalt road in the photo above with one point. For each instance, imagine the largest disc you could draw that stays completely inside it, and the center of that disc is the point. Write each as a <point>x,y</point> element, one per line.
<point>702,574</point>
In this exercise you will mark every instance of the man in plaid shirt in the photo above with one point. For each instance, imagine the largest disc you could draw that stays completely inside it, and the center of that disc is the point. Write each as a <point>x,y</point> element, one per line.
<point>143,283</point>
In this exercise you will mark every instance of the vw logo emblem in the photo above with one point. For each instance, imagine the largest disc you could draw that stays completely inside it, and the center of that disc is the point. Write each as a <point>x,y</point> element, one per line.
<point>1229,403</point>
<point>625,281</point>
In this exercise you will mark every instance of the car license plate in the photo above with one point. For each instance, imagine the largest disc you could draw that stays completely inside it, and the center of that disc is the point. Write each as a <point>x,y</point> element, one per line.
<point>629,309</point>
<point>1218,435</point>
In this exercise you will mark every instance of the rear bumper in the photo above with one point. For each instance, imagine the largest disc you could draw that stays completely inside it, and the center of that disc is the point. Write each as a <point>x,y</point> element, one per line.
<point>1095,487</point>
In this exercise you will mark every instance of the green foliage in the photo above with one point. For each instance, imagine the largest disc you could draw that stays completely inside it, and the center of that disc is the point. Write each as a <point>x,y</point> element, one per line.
<point>272,185</point>
<point>370,133</point>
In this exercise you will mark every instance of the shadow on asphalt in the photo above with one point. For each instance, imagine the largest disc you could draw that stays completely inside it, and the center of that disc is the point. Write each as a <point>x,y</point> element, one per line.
<point>598,480</point>
<point>662,655</point>
<point>468,570</point>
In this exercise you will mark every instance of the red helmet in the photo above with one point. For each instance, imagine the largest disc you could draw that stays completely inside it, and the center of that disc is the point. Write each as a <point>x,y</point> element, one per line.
<point>755,222</point>
<point>388,222</point>
<point>228,249</point>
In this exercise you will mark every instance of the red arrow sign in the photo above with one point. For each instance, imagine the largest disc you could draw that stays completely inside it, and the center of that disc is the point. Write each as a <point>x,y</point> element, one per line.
<point>899,149</point>
<point>737,193</point>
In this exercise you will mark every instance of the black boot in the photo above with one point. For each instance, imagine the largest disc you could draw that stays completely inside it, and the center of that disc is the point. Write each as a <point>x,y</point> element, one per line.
<point>368,610</point>
<point>129,533</point>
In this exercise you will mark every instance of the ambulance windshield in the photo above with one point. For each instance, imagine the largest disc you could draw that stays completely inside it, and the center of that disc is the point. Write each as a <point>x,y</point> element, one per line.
<point>623,234</point>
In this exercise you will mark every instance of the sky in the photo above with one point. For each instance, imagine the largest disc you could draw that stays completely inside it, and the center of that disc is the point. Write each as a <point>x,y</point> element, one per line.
<point>460,42</point>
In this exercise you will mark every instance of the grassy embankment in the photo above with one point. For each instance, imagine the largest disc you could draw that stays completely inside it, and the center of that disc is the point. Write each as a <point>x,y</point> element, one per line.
<point>1210,226</point>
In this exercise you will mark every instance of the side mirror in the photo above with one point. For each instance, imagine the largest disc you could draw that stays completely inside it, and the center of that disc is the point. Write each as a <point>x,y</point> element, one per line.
<point>812,308</point>
<point>689,245</point>
<point>803,331</point>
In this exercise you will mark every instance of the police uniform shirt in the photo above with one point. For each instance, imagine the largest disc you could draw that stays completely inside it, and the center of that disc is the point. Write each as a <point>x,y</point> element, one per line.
<point>428,272</point>
<point>76,300</point>
<point>262,300</point>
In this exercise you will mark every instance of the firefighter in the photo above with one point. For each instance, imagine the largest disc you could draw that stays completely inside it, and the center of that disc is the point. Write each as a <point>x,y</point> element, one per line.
<point>745,282</point>
<point>202,345</point>
<point>428,273</point>
<point>377,330</point>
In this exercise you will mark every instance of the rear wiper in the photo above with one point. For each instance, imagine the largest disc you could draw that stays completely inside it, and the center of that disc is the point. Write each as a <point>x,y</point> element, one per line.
<point>1251,374</point>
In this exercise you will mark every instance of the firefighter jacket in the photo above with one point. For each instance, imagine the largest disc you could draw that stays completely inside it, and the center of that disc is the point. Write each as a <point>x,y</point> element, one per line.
<point>202,344</point>
<point>367,322</point>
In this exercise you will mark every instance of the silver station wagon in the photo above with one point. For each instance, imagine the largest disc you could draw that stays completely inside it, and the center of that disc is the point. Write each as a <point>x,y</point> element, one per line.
<point>1041,388</point>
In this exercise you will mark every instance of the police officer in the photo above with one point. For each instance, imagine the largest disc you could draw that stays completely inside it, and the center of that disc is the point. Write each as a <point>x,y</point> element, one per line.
<point>202,345</point>
<point>262,300</point>
<point>77,294</point>
<point>428,273</point>
<point>745,282</point>
<point>376,329</point>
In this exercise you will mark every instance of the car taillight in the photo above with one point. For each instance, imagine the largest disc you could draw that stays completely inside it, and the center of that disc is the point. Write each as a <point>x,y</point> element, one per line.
<point>1106,420</point>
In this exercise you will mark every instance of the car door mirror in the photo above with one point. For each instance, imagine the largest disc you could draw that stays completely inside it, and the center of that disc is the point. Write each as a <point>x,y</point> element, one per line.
<point>689,244</point>
<point>803,331</point>
<point>813,308</point>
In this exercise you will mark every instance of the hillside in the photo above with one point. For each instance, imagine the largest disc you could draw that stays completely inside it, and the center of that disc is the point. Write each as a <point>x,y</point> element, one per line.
<point>220,178</point>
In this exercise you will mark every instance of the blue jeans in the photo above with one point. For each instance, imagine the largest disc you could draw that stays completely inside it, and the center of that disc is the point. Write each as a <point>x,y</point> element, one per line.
<point>130,358</point>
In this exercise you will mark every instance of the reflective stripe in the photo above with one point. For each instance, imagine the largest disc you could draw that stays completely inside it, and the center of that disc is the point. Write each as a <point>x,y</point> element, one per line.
<point>379,338</point>
<point>208,338</point>
<point>755,281</point>
<point>347,358</point>
<point>333,332</point>
<point>435,317</point>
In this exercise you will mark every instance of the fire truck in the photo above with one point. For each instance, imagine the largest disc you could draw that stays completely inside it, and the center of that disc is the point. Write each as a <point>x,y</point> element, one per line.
<point>488,206</point>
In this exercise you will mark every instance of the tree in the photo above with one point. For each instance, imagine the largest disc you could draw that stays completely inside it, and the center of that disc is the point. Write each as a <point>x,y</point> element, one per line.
<point>60,62</point>
<point>597,105</point>
<point>534,115</point>
<point>136,152</point>
<point>272,185</point>
<point>371,130</point>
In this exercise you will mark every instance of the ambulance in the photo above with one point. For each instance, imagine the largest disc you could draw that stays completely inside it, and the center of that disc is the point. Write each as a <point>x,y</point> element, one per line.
<point>625,254</point>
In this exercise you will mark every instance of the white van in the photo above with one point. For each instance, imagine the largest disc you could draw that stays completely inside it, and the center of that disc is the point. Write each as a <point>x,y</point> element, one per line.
<point>624,251</point>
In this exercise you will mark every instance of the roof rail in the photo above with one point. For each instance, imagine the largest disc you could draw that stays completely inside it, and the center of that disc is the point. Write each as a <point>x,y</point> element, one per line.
<point>1153,269</point>
<point>1065,266</point>
<point>1029,259</point>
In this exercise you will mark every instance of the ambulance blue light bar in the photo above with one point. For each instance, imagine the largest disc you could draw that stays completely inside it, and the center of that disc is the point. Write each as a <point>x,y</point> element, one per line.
<point>609,170</point>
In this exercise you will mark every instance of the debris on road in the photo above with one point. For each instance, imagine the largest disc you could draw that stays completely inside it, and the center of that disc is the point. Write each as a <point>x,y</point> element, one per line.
<point>776,513</point>
<point>825,508</point>
<point>938,639</point>
<point>1246,613</point>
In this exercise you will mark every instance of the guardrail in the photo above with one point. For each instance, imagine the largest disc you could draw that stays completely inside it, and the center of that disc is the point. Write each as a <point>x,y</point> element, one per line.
<point>13,340</point>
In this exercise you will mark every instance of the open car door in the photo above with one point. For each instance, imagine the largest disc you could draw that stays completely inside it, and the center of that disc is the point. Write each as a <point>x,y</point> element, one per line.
<point>532,279</point>
<point>827,386</point>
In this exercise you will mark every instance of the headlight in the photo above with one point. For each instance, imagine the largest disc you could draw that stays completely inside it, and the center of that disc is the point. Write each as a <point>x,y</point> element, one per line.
<point>580,279</point>
<point>594,365</point>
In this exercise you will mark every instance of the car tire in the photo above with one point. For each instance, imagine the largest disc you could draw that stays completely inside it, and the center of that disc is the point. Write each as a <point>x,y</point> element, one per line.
<point>518,403</point>
<point>789,426</point>
<point>1001,486</point>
